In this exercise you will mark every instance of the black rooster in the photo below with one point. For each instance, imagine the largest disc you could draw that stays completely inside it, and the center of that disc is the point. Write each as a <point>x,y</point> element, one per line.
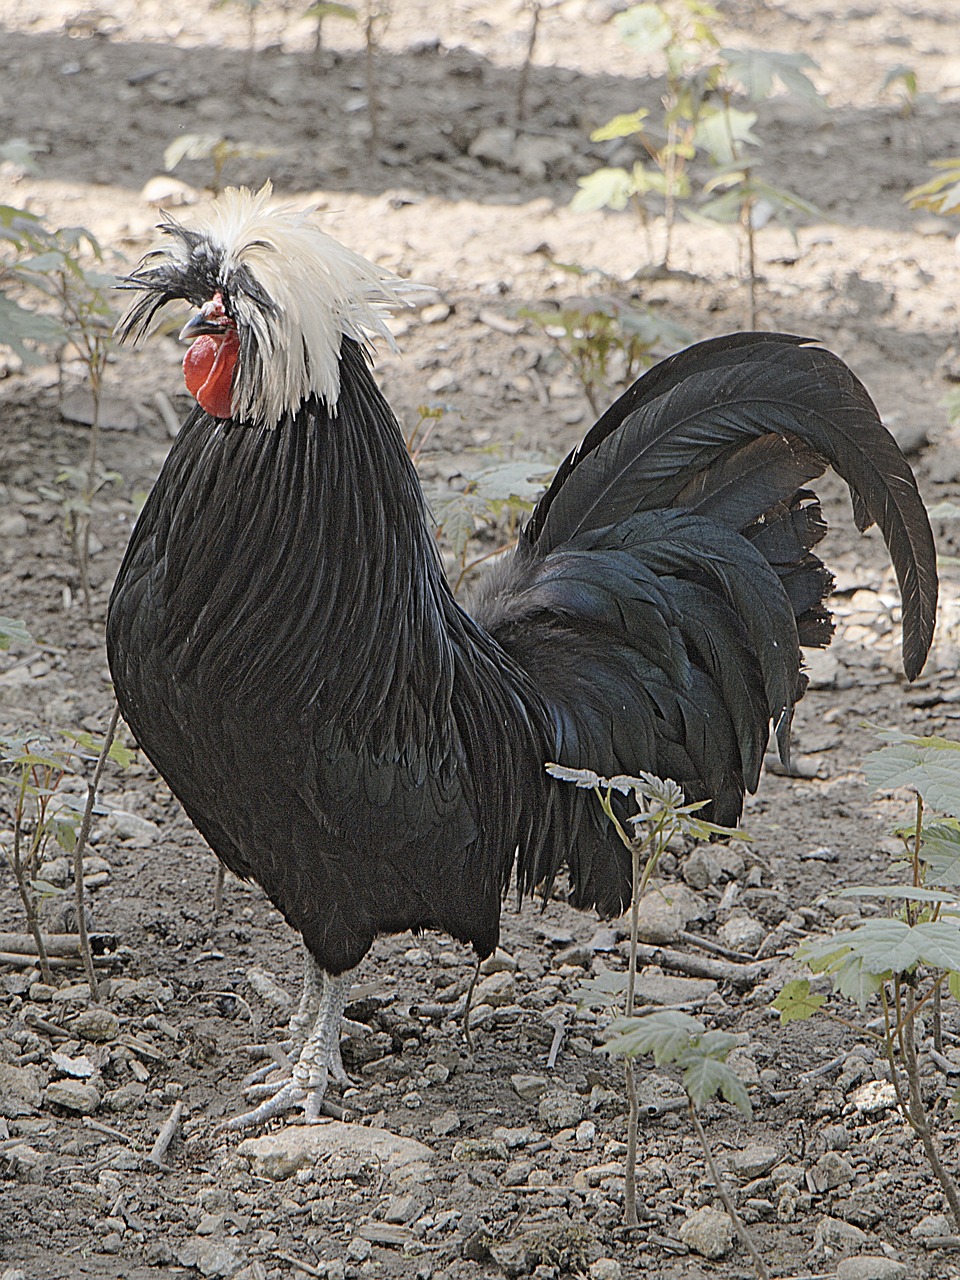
<point>288,653</point>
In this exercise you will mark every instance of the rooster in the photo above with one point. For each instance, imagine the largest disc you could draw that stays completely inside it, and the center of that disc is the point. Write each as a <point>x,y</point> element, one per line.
<point>287,651</point>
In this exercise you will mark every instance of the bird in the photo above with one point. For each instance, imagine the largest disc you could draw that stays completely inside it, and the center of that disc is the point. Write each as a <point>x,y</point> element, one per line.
<point>287,651</point>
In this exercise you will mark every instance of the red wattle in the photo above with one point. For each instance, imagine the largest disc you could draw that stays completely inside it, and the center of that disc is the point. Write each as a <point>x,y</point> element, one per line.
<point>208,369</point>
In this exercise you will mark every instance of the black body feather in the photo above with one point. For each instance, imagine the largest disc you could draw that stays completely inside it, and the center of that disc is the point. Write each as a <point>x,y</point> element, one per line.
<point>286,650</point>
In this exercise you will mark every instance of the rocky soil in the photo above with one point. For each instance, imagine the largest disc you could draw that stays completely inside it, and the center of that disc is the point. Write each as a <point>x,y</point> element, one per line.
<point>507,1159</point>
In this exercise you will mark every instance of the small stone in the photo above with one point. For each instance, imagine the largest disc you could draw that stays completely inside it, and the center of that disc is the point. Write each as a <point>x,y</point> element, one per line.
<point>586,1135</point>
<point>112,1242</point>
<point>445,1124</point>
<point>57,871</point>
<point>701,869</point>
<point>403,1210</point>
<point>874,1096</point>
<point>436,1073</point>
<point>605,1269</point>
<point>435,313</point>
<point>41,992</point>
<point>529,1088</point>
<point>932,1226</point>
<point>494,145</point>
<point>743,1063</point>
<point>96,1024</point>
<point>742,933</point>
<point>468,1150</point>
<point>127,1098</point>
<point>867,1267</point>
<point>513,1257</point>
<point>268,989</point>
<point>84,1099</point>
<point>166,192</point>
<point>832,1235</point>
<point>579,954</point>
<point>210,1224</point>
<point>130,827</point>
<point>280,1154</point>
<point>830,1171</point>
<point>561,1109</point>
<point>443,380</point>
<point>836,1137</point>
<point>656,988</point>
<point>497,989</point>
<point>708,1232</point>
<point>500,962</point>
<point>20,1089</point>
<point>661,916</point>
<point>24,1162</point>
<point>358,1250</point>
<point>753,1161</point>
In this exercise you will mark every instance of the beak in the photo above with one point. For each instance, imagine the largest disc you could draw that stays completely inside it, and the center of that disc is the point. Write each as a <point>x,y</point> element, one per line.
<point>201,323</point>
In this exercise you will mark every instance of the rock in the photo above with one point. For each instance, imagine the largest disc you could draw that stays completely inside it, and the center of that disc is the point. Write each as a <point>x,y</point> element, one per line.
<point>497,989</point>
<point>127,1098</point>
<point>822,667</point>
<point>268,989</point>
<point>214,1258</point>
<point>443,380</point>
<point>56,871</point>
<point>874,1097</point>
<point>605,1269</point>
<point>435,313</point>
<point>830,1171</point>
<point>529,1088</point>
<point>862,1208</point>
<point>836,1137</point>
<point>500,962</point>
<point>708,1232</point>
<point>166,192</point>
<point>867,1267</point>
<point>513,1257</point>
<point>96,1024</point>
<point>932,1226</point>
<point>535,156</point>
<point>403,1210</point>
<point>80,1068</point>
<point>136,831</point>
<point>832,1235</point>
<point>753,1161</point>
<point>445,1124</point>
<point>561,1109</point>
<point>24,1162</point>
<point>20,1090</point>
<point>469,1149</point>
<point>742,933</point>
<point>280,1154</point>
<point>662,915</point>
<point>580,954</point>
<point>657,988</point>
<point>84,1099</point>
<point>701,869</point>
<point>494,146</point>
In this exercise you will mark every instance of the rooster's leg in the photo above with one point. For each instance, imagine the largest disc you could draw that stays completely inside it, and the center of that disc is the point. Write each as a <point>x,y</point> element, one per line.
<point>321,1009</point>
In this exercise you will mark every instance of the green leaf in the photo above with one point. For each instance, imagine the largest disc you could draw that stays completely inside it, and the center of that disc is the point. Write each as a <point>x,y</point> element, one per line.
<point>940,852</point>
<point>928,765</point>
<point>584,778</point>
<point>622,126</point>
<point>603,189</point>
<point>645,28</point>
<point>19,326</point>
<point>665,1035</point>
<point>796,1002</point>
<point>328,9</point>
<point>758,70</point>
<point>603,991</point>
<point>953,983</point>
<point>724,131</point>
<point>13,632</point>
<point>908,892</point>
<point>705,1077</point>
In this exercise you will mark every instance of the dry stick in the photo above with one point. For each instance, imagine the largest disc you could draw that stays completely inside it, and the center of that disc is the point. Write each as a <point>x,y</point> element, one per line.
<point>25,960</point>
<point>56,944</point>
<point>536,10</point>
<point>166,1135</point>
<point>917,1114</point>
<point>79,847</point>
<point>759,1265</point>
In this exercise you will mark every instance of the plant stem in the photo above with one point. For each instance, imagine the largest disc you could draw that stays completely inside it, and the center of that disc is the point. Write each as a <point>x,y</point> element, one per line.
<point>758,1263</point>
<point>28,899</point>
<point>534,6</point>
<point>919,1121</point>
<point>79,847</point>
<point>630,1218</point>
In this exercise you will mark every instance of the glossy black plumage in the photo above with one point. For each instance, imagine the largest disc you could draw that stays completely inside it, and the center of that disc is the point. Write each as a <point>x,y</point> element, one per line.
<point>286,650</point>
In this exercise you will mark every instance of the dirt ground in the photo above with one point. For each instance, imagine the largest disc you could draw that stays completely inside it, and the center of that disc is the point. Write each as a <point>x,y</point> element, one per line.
<point>525,1132</point>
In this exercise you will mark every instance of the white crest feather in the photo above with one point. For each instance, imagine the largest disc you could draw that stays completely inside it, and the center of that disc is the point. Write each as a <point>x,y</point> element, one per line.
<point>318,289</point>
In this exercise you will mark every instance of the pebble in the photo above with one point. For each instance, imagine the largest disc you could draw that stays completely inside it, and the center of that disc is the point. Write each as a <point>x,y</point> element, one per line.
<point>84,1099</point>
<point>833,1235</point>
<point>215,1258</point>
<point>933,1225</point>
<point>435,313</point>
<point>127,1098</point>
<point>561,1109</point>
<point>830,1171</point>
<point>656,988</point>
<point>605,1269</point>
<point>96,1024</point>
<point>500,962</point>
<point>701,869</point>
<point>445,1124</point>
<point>494,145</point>
<point>20,1089</point>
<point>708,1232</point>
<point>497,989</point>
<point>661,917</point>
<point>742,933</point>
<point>280,1154</point>
<point>403,1210</point>
<point>268,989</point>
<point>867,1267</point>
<point>753,1161</point>
<point>529,1088</point>
<point>130,827</point>
<point>580,955</point>
<point>469,1149</point>
<point>874,1096</point>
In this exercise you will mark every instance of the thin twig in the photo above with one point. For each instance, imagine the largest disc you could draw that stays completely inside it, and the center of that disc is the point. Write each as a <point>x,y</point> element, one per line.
<point>166,1135</point>
<point>79,847</point>
<point>759,1265</point>
<point>917,1115</point>
<point>467,1005</point>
